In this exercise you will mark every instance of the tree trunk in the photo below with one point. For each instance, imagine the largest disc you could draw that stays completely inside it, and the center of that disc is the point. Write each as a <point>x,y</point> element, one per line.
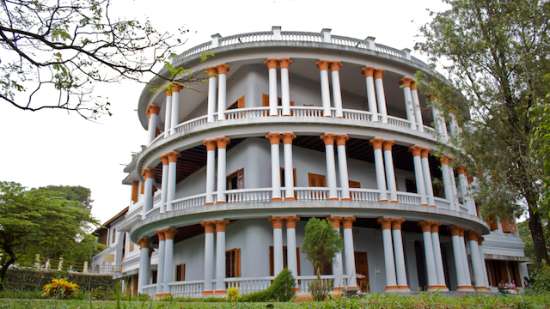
<point>5,267</point>
<point>537,233</point>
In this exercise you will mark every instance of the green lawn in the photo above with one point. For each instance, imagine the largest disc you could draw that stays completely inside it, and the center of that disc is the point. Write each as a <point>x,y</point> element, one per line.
<point>372,301</point>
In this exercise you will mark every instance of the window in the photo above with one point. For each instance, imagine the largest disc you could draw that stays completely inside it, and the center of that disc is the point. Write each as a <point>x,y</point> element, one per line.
<point>316,180</point>
<point>410,186</point>
<point>235,180</point>
<point>233,263</point>
<point>265,101</point>
<point>180,272</point>
<point>285,259</point>
<point>113,236</point>
<point>239,103</point>
<point>283,176</point>
<point>354,184</point>
<point>154,275</point>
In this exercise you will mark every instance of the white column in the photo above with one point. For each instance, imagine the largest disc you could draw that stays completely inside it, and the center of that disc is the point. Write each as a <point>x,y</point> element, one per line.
<point>406,84</point>
<point>349,251</point>
<point>462,283</point>
<point>343,165</point>
<point>148,190</point>
<point>447,183</point>
<point>464,259</point>
<point>463,186</point>
<point>477,262</point>
<point>222,144</point>
<point>169,267</point>
<point>443,124</point>
<point>336,92</point>
<point>400,270</point>
<point>208,255</point>
<point>427,176</point>
<point>368,72</point>
<point>274,140</point>
<point>291,245</point>
<point>330,164</point>
<point>453,186</point>
<point>222,92</point>
<point>285,88</point>
<point>220,255</point>
<point>212,81</point>
<point>168,111</point>
<point>454,129</point>
<point>164,184</point>
<point>429,255</point>
<point>153,114</point>
<point>379,165</point>
<point>144,264</point>
<point>210,170</point>
<point>289,169</point>
<point>175,114</point>
<point>273,98</point>
<point>437,257</point>
<point>417,108</point>
<point>337,265</point>
<point>171,188</point>
<point>160,264</point>
<point>380,97</point>
<point>325,91</point>
<point>389,263</point>
<point>277,245</point>
<point>419,177</point>
<point>390,174</point>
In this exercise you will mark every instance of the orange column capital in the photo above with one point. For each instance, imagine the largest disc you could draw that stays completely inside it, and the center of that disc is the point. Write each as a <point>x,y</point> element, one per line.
<point>455,230</point>
<point>288,137</point>
<point>415,150</point>
<point>335,66</point>
<point>425,152</point>
<point>385,223</point>
<point>172,156</point>
<point>222,142</point>
<point>164,159</point>
<point>435,227</point>
<point>212,72</point>
<point>378,74</point>
<point>461,170</point>
<point>210,144</point>
<point>291,222</point>
<point>152,109</point>
<point>348,222</point>
<point>388,145</point>
<point>405,82</point>
<point>220,225</point>
<point>367,71</point>
<point>168,91</point>
<point>376,143</point>
<point>341,139</point>
<point>413,84</point>
<point>322,65</point>
<point>208,226</point>
<point>276,222</point>
<point>471,235</point>
<point>271,63</point>
<point>143,242</point>
<point>328,138</point>
<point>169,233</point>
<point>147,173</point>
<point>334,221</point>
<point>445,160</point>
<point>284,63</point>
<point>273,137</point>
<point>396,223</point>
<point>176,87</point>
<point>222,68</point>
<point>426,226</point>
<point>160,235</point>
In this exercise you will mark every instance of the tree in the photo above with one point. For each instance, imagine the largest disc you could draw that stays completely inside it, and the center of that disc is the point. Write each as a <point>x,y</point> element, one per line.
<point>321,243</point>
<point>64,48</point>
<point>496,55</point>
<point>40,221</point>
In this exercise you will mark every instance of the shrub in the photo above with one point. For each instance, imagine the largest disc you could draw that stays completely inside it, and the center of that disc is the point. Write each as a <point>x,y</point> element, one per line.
<point>60,288</point>
<point>232,295</point>
<point>281,289</point>
<point>540,281</point>
<point>320,289</point>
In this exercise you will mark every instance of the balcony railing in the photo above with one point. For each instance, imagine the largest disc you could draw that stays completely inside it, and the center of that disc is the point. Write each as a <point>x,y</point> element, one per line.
<point>263,195</point>
<point>300,113</point>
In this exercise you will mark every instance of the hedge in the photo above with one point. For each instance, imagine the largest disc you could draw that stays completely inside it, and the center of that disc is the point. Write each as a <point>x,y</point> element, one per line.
<point>28,280</point>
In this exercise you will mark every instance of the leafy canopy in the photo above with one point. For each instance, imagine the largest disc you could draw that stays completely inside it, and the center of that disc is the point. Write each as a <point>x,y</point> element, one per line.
<point>321,243</point>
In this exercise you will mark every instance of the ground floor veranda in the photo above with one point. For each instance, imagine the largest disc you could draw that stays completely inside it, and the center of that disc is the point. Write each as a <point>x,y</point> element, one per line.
<point>380,254</point>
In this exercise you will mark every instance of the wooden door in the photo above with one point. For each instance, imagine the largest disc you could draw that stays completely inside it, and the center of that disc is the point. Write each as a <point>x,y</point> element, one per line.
<point>362,269</point>
<point>316,180</point>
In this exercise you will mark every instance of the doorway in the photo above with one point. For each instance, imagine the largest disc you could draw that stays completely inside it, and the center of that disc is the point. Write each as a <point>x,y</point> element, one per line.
<point>362,269</point>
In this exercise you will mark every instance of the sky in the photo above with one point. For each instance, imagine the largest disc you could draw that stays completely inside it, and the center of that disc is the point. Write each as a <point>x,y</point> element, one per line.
<point>57,148</point>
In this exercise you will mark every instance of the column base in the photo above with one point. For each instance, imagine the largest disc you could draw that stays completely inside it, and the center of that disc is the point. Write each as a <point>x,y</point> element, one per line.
<point>438,288</point>
<point>397,289</point>
<point>482,289</point>
<point>394,201</point>
<point>220,202</point>
<point>424,205</point>
<point>276,199</point>
<point>348,199</point>
<point>218,292</point>
<point>162,295</point>
<point>332,198</point>
<point>382,200</point>
<point>465,288</point>
<point>290,198</point>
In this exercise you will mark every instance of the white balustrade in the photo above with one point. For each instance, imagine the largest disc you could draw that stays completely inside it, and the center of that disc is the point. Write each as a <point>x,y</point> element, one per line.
<point>304,281</point>
<point>248,285</point>
<point>311,194</point>
<point>364,195</point>
<point>187,288</point>
<point>399,122</point>
<point>248,195</point>
<point>247,113</point>
<point>408,198</point>
<point>359,115</point>
<point>190,125</point>
<point>150,289</point>
<point>442,203</point>
<point>189,202</point>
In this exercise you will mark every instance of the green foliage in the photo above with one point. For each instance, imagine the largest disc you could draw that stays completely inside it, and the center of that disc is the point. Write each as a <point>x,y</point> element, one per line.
<point>496,57</point>
<point>321,243</point>
<point>42,221</point>
<point>232,295</point>
<point>281,289</point>
<point>540,281</point>
<point>320,289</point>
<point>31,280</point>
<point>60,288</point>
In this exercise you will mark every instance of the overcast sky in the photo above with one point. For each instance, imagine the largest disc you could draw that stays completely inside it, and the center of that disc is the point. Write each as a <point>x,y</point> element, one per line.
<point>56,148</point>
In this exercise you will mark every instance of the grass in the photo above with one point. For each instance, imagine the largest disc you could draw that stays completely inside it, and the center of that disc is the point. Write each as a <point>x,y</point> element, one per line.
<point>376,301</point>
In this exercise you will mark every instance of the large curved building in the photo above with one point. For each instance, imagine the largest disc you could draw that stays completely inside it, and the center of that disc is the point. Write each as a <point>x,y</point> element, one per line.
<point>283,126</point>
